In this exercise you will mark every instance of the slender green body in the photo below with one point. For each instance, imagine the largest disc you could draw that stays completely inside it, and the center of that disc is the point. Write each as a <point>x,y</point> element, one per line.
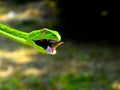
<point>13,34</point>
<point>39,39</point>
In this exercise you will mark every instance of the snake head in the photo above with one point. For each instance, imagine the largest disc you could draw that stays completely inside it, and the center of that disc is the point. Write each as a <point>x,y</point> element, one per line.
<point>45,40</point>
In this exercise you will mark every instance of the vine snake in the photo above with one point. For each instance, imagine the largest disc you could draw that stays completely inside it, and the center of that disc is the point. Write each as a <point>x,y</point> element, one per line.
<point>42,40</point>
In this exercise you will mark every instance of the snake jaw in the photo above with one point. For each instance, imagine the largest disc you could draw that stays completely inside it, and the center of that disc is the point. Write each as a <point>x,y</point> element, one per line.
<point>48,45</point>
<point>51,50</point>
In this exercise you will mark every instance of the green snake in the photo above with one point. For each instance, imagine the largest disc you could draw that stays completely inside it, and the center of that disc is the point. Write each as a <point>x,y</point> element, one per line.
<point>42,40</point>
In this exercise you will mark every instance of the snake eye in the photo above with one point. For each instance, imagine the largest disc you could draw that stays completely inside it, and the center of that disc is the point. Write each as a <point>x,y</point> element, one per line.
<point>43,31</point>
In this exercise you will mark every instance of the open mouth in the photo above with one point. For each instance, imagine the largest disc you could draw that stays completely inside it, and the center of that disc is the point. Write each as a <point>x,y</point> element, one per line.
<point>48,45</point>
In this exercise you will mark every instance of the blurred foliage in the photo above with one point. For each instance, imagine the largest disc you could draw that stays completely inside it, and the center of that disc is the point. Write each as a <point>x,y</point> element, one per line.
<point>29,16</point>
<point>82,67</point>
<point>21,1</point>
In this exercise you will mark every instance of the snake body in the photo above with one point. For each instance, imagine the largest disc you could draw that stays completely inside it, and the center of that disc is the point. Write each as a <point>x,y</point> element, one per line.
<point>41,39</point>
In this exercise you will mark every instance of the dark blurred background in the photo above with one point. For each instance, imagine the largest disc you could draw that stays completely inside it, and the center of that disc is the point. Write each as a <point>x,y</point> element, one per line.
<point>90,20</point>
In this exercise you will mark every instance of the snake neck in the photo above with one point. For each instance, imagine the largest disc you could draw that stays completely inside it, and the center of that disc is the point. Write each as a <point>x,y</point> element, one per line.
<point>13,34</point>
